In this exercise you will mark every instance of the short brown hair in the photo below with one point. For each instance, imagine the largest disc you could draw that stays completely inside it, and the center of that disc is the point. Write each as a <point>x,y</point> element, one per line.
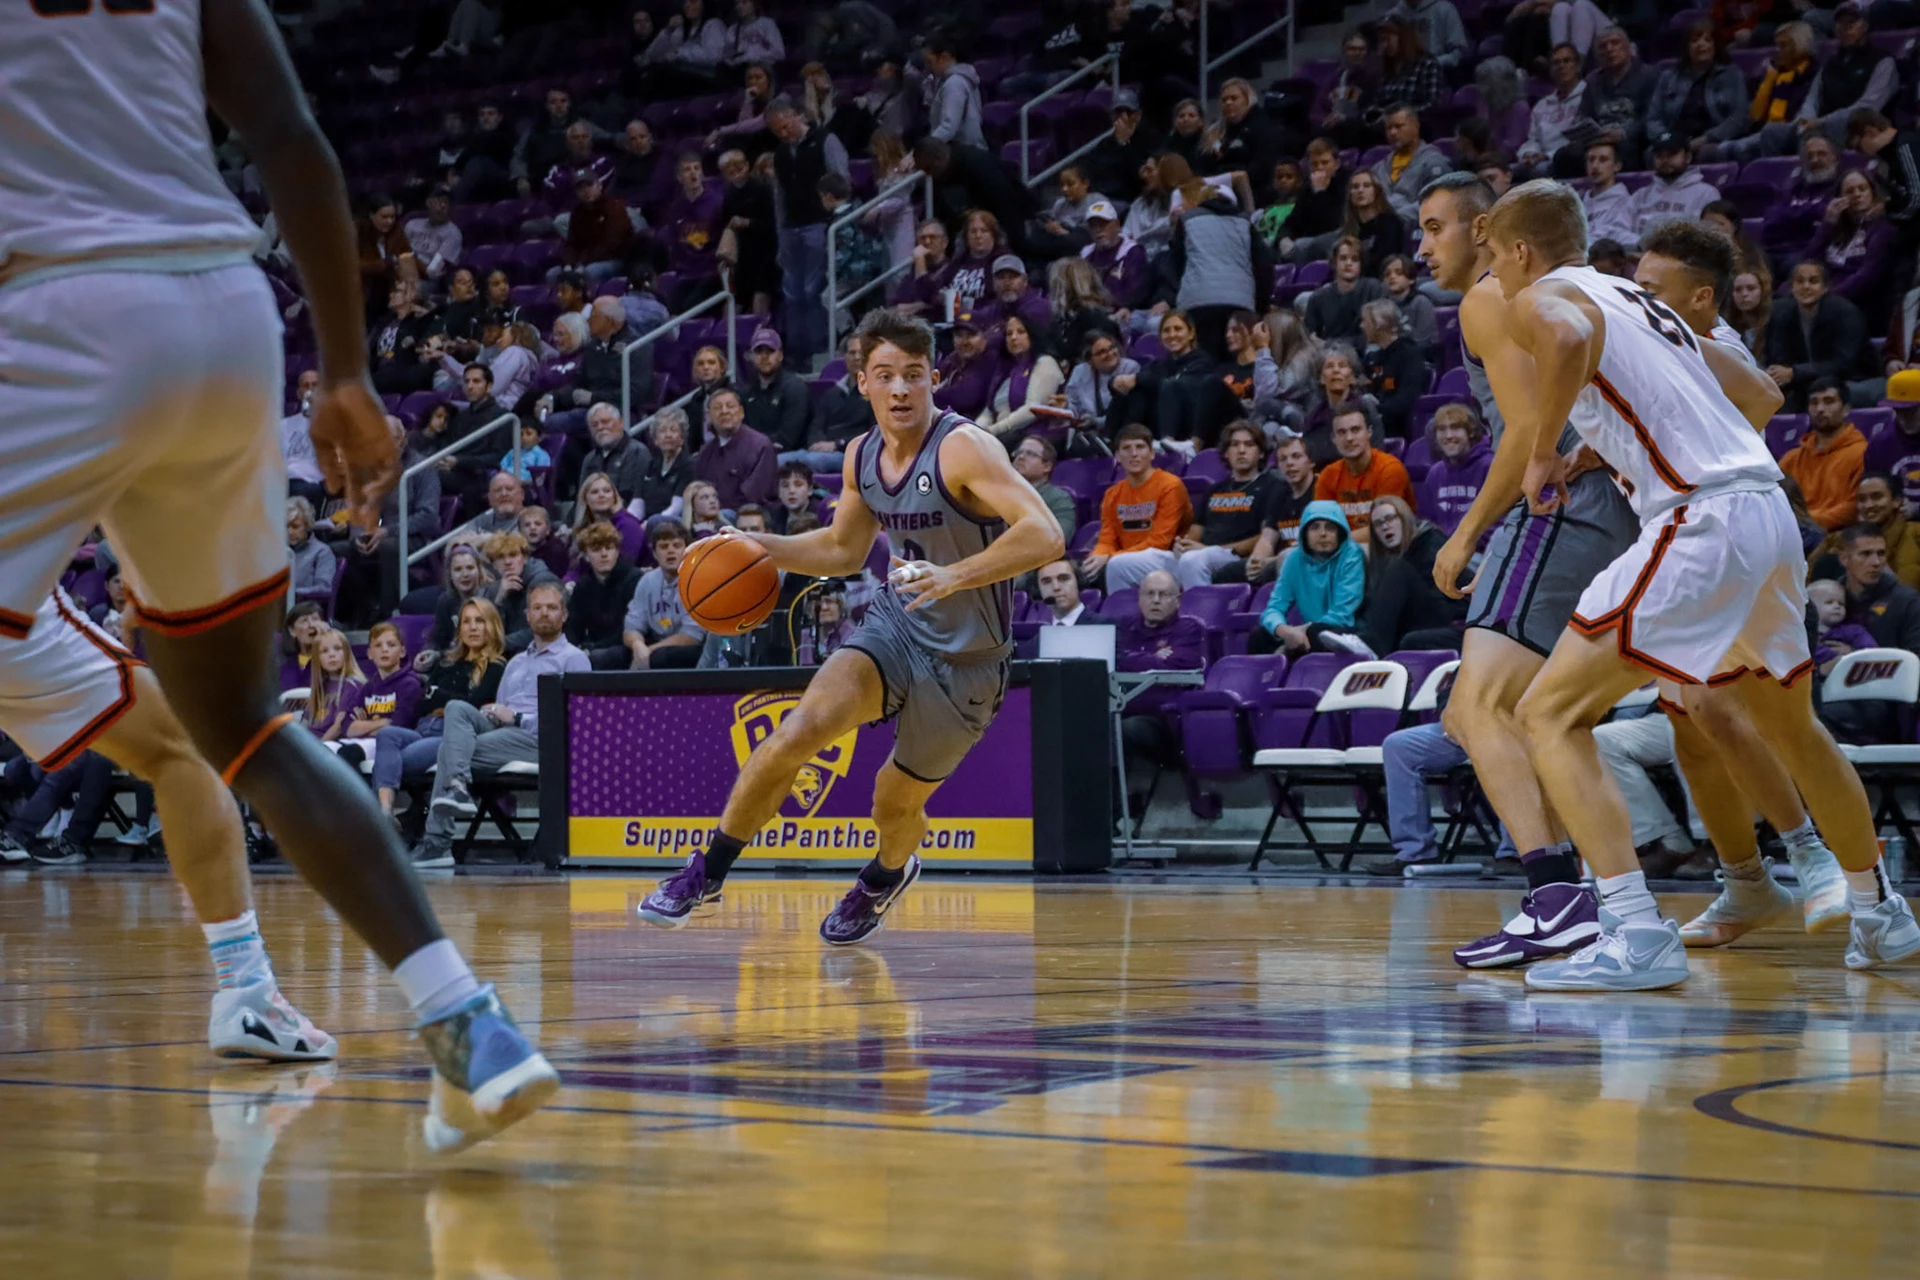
<point>1545,215</point>
<point>1133,431</point>
<point>598,536</point>
<point>504,544</point>
<point>1241,427</point>
<point>890,324</point>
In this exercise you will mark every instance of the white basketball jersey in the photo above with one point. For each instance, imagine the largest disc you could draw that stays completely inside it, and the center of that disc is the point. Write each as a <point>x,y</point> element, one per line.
<point>104,147</point>
<point>1729,337</point>
<point>1654,410</point>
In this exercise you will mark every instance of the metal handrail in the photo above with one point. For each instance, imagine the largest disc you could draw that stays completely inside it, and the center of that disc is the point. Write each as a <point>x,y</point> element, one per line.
<point>1214,64</point>
<point>723,298</point>
<point>834,300</point>
<point>1026,170</point>
<point>431,460</point>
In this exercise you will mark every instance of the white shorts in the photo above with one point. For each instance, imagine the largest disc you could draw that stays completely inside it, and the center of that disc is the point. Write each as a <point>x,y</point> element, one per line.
<point>1711,591</point>
<point>147,403</point>
<point>64,685</point>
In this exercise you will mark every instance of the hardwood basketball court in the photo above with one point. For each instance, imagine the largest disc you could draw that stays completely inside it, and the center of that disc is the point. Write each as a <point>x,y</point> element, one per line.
<point>1206,1078</point>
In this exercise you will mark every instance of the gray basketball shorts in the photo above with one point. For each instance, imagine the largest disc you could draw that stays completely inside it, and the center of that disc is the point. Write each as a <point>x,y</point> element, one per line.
<point>940,707</point>
<point>1536,568</point>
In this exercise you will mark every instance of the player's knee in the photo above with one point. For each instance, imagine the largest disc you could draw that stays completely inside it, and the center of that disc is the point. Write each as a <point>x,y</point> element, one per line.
<point>894,811</point>
<point>1543,714</point>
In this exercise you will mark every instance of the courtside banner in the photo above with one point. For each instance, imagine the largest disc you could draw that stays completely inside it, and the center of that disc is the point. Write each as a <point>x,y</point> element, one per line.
<point>650,759</point>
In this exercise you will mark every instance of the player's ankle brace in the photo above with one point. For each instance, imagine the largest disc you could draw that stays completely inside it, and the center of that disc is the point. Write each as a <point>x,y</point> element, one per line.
<point>1549,866</point>
<point>875,876</point>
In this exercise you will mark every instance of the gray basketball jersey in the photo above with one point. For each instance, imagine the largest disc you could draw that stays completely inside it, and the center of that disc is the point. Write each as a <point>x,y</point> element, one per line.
<point>1489,411</point>
<point>924,522</point>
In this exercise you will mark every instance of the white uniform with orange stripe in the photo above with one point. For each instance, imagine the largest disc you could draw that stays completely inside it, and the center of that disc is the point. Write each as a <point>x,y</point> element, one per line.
<point>63,685</point>
<point>140,359</point>
<point>1716,582</point>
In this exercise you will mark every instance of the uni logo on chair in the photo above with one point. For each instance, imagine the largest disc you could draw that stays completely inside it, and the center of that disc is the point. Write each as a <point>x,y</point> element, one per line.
<point>1869,672</point>
<point>1365,681</point>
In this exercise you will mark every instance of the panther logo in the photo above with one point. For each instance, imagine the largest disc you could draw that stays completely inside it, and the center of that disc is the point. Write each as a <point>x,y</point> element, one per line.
<point>757,715</point>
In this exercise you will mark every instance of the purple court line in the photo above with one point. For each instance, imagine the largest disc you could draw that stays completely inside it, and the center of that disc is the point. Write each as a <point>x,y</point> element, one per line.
<point>1252,1158</point>
<point>1723,1104</point>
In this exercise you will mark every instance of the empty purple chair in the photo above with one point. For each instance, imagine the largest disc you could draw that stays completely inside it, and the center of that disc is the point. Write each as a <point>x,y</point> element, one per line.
<point>1312,274</point>
<point>1784,431</point>
<point>536,255</point>
<point>1209,466</point>
<point>1089,476</point>
<point>612,287</point>
<point>1720,172</point>
<point>1771,171</point>
<point>1171,463</point>
<point>530,295</point>
<point>1872,423</point>
<point>1121,604</point>
<point>414,628</point>
<point>1454,385</point>
<point>1213,729</point>
<point>1147,348</point>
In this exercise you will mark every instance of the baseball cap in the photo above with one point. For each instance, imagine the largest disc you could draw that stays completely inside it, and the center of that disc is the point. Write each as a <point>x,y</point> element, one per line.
<point>1009,262</point>
<point>1903,389</point>
<point>1667,142</point>
<point>1103,210</point>
<point>764,339</point>
<point>966,322</point>
<point>1126,100</point>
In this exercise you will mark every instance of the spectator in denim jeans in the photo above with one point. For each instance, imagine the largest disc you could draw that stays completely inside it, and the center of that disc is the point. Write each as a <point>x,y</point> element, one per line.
<point>469,671</point>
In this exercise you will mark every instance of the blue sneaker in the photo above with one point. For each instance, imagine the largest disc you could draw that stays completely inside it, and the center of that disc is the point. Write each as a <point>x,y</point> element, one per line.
<point>673,903</point>
<point>487,1076</point>
<point>862,912</point>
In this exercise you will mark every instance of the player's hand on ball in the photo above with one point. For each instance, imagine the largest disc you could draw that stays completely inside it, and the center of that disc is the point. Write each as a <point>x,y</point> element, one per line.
<point>918,582</point>
<point>356,452</point>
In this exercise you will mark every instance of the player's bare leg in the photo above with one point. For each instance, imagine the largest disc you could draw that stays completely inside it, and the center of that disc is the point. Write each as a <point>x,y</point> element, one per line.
<point>900,815</point>
<point>1558,913</point>
<point>1883,929</point>
<point>331,830</point>
<point>1636,950</point>
<point>1748,896</point>
<point>251,1019</point>
<point>845,693</point>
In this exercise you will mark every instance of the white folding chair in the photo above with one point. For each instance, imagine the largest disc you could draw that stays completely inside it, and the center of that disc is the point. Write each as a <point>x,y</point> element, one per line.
<point>1880,675</point>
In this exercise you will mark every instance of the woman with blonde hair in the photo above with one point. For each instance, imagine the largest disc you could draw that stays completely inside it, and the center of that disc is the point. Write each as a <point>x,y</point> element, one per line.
<point>468,671</point>
<point>1081,302</point>
<point>335,686</point>
<point>602,503</point>
<point>700,510</point>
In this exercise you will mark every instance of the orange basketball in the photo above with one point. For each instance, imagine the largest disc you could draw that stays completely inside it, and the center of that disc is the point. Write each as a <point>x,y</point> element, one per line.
<point>728,584</point>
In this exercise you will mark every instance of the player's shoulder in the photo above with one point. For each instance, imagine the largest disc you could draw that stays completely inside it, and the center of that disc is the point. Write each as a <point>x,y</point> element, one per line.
<point>967,440</point>
<point>1483,312</point>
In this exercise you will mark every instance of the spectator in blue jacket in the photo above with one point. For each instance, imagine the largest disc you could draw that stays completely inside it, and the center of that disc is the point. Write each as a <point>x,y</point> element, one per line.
<point>1322,582</point>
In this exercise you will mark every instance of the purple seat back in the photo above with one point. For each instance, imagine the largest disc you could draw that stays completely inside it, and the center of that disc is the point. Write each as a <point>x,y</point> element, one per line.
<point>1784,431</point>
<point>1209,466</point>
<point>1213,728</point>
<point>1121,604</point>
<point>1771,171</point>
<point>1285,717</point>
<point>414,630</point>
<point>1212,604</point>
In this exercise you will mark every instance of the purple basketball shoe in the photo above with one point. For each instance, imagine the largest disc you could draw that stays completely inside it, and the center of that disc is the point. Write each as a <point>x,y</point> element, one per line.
<point>1554,919</point>
<point>676,899</point>
<point>864,909</point>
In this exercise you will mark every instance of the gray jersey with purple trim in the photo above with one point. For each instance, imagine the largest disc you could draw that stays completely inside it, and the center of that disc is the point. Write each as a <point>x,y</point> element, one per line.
<point>924,522</point>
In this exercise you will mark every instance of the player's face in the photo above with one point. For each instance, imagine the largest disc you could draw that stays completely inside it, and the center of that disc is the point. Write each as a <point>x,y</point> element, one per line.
<point>1447,241</point>
<point>899,386</point>
<point>386,651</point>
<point>1509,266</point>
<point>1674,284</point>
<point>1874,501</point>
<point>1352,437</point>
<point>669,554</point>
<point>1451,439</point>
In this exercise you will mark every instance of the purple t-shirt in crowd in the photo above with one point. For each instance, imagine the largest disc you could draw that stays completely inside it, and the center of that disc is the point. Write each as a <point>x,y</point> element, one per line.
<point>394,698</point>
<point>1449,488</point>
<point>966,389</point>
<point>1123,269</point>
<point>925,290</point>
<point>1898,454</point>
<point>693,230</point>
<point>1179,644</point>
<point>1031,306</point>
<point>971,278</point>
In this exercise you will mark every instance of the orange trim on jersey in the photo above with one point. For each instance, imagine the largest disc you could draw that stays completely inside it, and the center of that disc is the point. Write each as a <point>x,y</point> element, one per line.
<point>258,740</point>
<point>15,626</point>
<point>1671,708</point>
<point>1727,677</point>
<point>65,754</point>
<point>1661,466</point>
<point>1621,615</point>
<point>1796,675</point>
<point>192,621</point>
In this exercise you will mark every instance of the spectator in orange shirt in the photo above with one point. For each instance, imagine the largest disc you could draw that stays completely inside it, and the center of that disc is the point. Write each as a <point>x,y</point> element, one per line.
<point>1362,475</point>
<point>1830,459</point>
<point>1141,515</point>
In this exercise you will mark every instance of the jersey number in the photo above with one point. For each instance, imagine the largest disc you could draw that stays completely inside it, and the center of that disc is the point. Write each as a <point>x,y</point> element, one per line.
<point>1664,321</point>
<point>911,550</point>
<point>74,8</point>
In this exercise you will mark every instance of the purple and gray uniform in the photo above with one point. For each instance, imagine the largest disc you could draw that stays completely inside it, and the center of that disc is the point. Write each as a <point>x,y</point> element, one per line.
<point>945,665</point>
<point>1537,566</point>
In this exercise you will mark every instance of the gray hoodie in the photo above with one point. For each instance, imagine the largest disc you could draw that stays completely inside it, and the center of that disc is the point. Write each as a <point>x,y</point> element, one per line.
<point>1425,164</point>
<point>1661,202</point>
<point>956,107</point>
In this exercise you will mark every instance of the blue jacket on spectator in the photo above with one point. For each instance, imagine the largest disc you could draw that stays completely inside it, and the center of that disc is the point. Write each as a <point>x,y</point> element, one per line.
<point>1326,590</point>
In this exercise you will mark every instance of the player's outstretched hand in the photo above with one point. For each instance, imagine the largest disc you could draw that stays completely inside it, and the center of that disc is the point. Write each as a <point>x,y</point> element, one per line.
<point>1545,484</point>
<point>356,452</point>
<point>920,583</point>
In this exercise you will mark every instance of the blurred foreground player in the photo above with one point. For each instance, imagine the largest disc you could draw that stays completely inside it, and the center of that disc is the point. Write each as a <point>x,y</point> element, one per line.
<point>70,687</point>
<point>932,654</point>
<point>150,410</point>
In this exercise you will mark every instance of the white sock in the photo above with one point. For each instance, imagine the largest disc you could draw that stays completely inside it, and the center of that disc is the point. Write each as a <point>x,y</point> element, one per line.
<point>1627,897</point>
<point>1752,869</point>
<point>435,980</point>
<point>239,956</point>
<point>1868,889</point>
<point>1802,838</point>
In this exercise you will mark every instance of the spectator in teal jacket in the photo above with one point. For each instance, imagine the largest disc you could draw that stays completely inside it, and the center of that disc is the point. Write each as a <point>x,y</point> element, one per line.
<point>1323,582</point>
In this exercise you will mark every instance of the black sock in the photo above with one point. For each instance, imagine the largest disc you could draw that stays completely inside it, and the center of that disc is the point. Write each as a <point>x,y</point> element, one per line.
<point>1549,866</point>
<point>721,855</point>
<point>875,876</point>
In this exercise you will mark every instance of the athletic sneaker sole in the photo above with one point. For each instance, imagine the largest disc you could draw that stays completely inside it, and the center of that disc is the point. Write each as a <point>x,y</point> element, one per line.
<point>653,917</point>
<point>253,1049</point>
<point>1562,944</point>
<point>494,1107</point>
<point>880,921</point>
<point>1651,980</point>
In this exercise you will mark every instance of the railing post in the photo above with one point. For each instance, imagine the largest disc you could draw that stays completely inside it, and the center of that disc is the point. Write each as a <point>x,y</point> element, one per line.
<point>1204,6</point>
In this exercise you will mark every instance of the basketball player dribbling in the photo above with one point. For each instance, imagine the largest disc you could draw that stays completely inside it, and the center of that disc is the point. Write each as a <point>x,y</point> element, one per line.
<point>70,687</point>
<point>1534,570</point>
<point>1714,584</point>
<point>932,654</point>
<point>141,364</point>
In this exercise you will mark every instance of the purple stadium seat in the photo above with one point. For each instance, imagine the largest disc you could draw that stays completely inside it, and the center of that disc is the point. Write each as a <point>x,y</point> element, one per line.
<point>1394,445</point>
<point>1453,384</point>
<point>1784,431</point>
<point>1207,465</point>
<point>1121,604</point>
<point>1313,274</point>
<point>1284,717</point>
<point>88,589</point>
<point>1039,153</point>
<point>415,406</point>
<point>1171,463</point>
<point>1215,605</point>
<point>611,287</point>
<point>1083,539</point>
<point>414,630</point>
<point>1771,171</point>
<point>1872,423</point>
<point>536,255</point>
<point>1089,476</point>
<point>484,259</point>
<point>1213,727</point>
<point>530,295</point>
<point>1147,348</point>
<point>1419,455</point>
<point>1720,172</point>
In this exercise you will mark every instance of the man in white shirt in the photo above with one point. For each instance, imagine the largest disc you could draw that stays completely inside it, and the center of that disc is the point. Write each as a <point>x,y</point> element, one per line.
<point>1609,203</point>
<point>1554,115</point>
<point>296,444</point>
<point>435,240</point>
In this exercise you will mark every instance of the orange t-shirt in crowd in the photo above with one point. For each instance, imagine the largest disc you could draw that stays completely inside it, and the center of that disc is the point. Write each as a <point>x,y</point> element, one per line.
<point>1357,492</point>
<point>1145,516</point>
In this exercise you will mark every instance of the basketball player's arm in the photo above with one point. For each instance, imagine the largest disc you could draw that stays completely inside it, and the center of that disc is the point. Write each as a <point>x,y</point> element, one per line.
<point>251,84</point>
<point>1757,396</point>
<point>1563,340</point>
<point>1510,374</point>
<point>831,551</point>
<point>978,471</point>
